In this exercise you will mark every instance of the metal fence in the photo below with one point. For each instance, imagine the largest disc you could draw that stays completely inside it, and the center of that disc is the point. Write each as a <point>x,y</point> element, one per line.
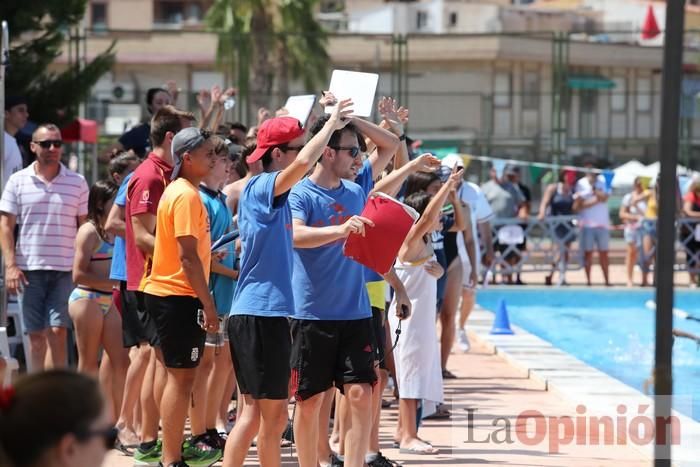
<point>539,245</point>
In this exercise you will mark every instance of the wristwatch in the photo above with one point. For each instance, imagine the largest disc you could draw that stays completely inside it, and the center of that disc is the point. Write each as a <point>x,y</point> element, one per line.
<point>402,137</point>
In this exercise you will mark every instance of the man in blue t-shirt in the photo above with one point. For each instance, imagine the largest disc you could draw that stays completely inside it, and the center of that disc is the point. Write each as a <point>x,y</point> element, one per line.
<point>258,327</point>
<point>332,324</point>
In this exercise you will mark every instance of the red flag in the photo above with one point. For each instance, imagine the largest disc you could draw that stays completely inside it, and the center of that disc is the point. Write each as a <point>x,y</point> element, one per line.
<point>650,29</point>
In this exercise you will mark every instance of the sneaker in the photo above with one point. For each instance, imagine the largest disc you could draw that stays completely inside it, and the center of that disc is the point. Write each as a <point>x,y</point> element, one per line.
<point>150,457</point>
<point>381,461</point>
<point>463,340</point>
<point>217,440</point>
<point>335,462</point>
<point>196,457</point>
<point>205,442</point>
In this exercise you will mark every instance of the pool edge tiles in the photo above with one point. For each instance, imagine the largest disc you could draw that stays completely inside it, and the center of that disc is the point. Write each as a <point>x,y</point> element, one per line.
<point>577,382</point>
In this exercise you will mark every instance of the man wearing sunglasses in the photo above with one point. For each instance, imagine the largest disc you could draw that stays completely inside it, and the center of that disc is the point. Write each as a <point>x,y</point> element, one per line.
<point>332,326</point>
<point>258,326</point>
<point>49,202</point>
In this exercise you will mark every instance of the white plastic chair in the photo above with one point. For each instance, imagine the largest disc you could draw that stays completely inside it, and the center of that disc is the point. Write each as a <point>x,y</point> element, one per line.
<point>12,364</point>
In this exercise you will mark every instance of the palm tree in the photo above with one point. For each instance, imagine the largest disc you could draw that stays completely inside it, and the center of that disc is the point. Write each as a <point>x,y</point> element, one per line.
<point>265,43</point>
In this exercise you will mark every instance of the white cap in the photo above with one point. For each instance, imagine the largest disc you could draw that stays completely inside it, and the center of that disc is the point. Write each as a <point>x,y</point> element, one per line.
<point>452,160</point>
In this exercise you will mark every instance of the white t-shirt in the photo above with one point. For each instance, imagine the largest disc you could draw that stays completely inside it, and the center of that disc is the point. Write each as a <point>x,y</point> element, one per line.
<point>480,211</point>
<point>12,159</point>
<point>598,214</point>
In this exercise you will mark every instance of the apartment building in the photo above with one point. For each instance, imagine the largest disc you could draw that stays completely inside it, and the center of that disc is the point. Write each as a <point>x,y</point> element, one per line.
<point>478,74</point>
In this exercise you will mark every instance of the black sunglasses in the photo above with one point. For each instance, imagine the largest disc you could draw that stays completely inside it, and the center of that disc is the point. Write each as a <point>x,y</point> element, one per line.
<point>285,148</point>
<point>109,435</point>
<point>353,150</point>
<point>57,143</point>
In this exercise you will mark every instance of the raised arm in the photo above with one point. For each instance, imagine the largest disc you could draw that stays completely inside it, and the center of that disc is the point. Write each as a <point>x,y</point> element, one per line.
<point>432,211</point>
<point>391,184</point>
<point>313,150</point>
<point>386,144</point>
<point>395,120</point>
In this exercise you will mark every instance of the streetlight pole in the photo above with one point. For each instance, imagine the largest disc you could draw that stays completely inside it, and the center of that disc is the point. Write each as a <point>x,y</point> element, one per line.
<point>665,250</point>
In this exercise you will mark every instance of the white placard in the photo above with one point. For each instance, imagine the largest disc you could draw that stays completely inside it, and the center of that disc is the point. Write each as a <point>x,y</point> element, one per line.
<point>300,107</point>
<point>360,87</point>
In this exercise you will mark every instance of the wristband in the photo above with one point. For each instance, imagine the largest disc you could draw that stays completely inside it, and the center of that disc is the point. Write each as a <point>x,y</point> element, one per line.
<point>402,137</point>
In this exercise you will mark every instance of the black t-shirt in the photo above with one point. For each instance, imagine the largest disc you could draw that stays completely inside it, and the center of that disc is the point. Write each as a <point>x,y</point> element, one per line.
<point>137,139</point>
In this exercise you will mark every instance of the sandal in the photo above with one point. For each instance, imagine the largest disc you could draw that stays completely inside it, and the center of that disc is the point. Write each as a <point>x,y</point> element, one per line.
<point>419,448</point>
<point>447,374</point>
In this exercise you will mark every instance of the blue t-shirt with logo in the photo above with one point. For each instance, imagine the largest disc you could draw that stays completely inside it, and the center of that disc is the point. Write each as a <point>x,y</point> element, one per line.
<point>327,285</point>
<point>265,224</point>
<point>220,223</point>
<point>117,271</point>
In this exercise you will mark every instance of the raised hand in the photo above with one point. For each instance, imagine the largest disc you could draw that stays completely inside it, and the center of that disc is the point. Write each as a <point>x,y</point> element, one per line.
<point>456,177</point>
<point>387,109</point>
<point>204,100</point>
<point>216,94</point>
<point>426,163</point>
<point>341,115</point>
<point>263,114</point>
<point>327,98</point>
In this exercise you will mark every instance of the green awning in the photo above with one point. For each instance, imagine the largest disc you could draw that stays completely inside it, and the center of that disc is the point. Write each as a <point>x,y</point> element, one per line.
<point>590,82</point>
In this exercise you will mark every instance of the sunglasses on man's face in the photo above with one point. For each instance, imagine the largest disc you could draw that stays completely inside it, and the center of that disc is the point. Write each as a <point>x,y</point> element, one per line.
<point>354,151</point>
<point>109,435</point>
<point>57,143</point>
<point>286,148</point>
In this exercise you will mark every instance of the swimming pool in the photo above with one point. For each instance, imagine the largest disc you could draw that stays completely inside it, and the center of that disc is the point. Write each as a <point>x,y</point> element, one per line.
<point>611,330</point>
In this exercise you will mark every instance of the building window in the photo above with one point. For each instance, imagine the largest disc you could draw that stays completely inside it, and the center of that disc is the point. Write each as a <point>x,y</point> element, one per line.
<point>98,15</point>
<point>589,99</point>
<point>501,89</point>
<point>453,19</point>
<point>644,94</point>
<point>618,100</point>
<point>531,90</point>
<point>421,20</point>
<point>177,12</point>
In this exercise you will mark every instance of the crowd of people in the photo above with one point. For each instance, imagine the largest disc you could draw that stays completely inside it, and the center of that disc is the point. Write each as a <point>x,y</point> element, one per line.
<point>208,267</point>
<point>174,330</point>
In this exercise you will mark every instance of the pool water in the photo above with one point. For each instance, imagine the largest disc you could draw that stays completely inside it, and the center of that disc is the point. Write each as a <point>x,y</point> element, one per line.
<point>611,330</point>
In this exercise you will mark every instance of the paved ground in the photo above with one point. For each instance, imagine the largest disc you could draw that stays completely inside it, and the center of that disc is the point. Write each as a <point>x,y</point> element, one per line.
<point>494,388</point>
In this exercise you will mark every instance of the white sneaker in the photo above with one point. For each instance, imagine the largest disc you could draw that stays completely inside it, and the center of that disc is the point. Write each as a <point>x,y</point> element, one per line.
<point>463,340</point>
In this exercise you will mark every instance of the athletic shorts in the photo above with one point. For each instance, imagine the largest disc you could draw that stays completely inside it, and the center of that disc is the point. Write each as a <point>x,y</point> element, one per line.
<point>260,348</point>
<point>379,335</point>
<point>595,238</point>
<point>138,326</point>
<point>325,353</point>
<point>180,336</point>
<point>220,337</point>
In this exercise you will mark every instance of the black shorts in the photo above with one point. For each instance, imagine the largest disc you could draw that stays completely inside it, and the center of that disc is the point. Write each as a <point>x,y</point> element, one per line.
<point>260,349</point>
<point>379,343</point>
<point>331,352</point>
<point>137,325</point>
<point>181,338</point>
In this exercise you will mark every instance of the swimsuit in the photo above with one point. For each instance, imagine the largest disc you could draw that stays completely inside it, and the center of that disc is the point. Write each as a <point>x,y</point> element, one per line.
<point>103,299</point>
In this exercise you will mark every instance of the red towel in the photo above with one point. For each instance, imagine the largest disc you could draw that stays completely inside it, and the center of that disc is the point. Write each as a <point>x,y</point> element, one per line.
<point>379,247</point>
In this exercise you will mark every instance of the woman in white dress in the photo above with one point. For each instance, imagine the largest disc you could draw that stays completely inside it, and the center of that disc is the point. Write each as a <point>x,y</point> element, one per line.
<point>417,354</point>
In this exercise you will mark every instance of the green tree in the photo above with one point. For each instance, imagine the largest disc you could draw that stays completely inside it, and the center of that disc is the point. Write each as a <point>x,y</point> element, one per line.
<point>265,43</point>
<point>38,29</point>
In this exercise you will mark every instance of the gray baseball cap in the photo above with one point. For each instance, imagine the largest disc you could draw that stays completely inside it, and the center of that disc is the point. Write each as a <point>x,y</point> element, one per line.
<point>186,140</point>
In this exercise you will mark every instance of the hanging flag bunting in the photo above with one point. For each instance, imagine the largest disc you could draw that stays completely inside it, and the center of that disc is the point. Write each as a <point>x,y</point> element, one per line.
<point>608,175</point>
<point>466,158</point>
<point>499,166</point>
<point>650,29</point>
<point>536,172</point>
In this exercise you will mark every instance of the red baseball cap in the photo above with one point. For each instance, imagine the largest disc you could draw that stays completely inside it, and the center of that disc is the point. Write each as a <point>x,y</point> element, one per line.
<point>275,132</point>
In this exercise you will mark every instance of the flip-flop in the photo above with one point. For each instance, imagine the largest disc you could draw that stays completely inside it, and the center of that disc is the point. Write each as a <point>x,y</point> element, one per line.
<point>447,374</point>
<point>425,450</point>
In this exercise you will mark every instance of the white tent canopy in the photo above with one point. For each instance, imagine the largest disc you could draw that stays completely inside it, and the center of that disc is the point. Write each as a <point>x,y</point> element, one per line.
<point>627,172</point>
